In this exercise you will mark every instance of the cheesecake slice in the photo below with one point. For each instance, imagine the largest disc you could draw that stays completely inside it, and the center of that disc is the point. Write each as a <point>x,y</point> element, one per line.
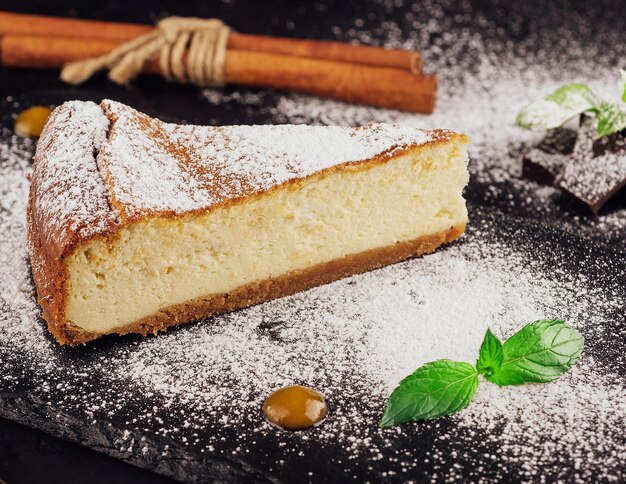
<point>136,225</point>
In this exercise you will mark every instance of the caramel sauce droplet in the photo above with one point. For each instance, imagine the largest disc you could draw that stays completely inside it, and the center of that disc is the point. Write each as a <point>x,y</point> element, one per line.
<point>31,121</point>
<point>295,408</point>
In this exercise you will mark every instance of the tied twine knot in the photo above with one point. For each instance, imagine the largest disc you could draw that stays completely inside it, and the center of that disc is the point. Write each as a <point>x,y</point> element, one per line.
<point>203,66</point>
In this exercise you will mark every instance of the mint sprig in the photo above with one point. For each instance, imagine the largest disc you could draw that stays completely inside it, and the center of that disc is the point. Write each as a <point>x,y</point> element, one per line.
<point>611,118</point>
<point>571,100</point>
<point>538,353</point>
<point>557,108</point>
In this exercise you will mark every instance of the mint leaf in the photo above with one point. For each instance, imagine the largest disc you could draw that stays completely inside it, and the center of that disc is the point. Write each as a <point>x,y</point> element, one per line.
<point>611,118</point>
<point>436,389</point>
<point>622,74</point>
<point>539,353</point>
<point>490,356</point>
<point>555,109</point>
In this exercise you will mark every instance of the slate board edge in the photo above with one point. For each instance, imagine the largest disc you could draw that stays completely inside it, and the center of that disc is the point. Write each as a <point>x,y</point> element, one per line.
<point>178,464</point>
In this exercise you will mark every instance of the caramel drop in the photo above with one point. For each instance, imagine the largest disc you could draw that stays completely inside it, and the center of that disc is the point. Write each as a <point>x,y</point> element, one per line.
<point>31,121</point>
<point>295,408</point>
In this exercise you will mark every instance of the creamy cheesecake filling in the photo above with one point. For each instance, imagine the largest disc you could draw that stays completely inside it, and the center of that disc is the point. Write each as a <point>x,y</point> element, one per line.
<point>160,262</point>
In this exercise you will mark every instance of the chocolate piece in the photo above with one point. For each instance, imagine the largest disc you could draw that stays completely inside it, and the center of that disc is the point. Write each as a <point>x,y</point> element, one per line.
<point>589,169</point>
<point>543,163</point>
<point>597,169</point>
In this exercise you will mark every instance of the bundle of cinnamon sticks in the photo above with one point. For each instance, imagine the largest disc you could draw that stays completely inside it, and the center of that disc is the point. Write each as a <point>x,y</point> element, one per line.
<point>360,74</point>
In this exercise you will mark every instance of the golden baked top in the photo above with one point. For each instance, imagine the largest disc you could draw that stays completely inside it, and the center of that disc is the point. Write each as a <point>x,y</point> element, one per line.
<point>100,166</point>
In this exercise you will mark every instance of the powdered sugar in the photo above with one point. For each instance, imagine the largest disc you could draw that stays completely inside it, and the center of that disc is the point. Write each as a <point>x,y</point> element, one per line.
<point>17,290</point>
<point>201,386</point>
<point>155,166</point>
<point>511,417</point>
<point>69,192</point>
<point>491,63</point>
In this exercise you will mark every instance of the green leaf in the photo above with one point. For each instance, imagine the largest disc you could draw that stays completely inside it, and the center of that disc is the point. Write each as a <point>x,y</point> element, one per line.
<point>622,74</point>
<point>540,352</point>
<point>611,119</point>
<point>556,108</point>
<point>439,388</point>
<point>490,356</point>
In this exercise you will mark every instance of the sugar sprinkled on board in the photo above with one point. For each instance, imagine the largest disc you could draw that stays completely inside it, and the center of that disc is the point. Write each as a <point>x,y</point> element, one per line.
<point>202,385</point>
<point>16,290</point>
<point>353,340</point>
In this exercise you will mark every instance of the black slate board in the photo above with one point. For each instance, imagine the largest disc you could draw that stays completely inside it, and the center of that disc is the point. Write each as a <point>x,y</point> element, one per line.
<point>23,400</point>
<point>48,404</point>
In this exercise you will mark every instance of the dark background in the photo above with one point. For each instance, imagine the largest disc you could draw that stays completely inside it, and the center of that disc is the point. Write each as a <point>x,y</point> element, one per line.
<point>28,455</point>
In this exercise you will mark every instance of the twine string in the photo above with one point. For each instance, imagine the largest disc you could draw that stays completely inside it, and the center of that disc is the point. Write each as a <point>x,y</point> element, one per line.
<point>189,50</point>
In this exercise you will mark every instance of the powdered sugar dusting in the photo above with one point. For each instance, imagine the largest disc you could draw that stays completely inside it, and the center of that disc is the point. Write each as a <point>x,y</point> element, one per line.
<point>491,62</point>
<point>69,194</point>
<point>155,166</point>
<point>200,387</point>
<point>17,290</point>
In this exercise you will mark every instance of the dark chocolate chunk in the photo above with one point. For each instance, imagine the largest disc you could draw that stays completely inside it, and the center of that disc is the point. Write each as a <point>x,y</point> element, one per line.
<point>597,169</point>
<point>543,163</point>
<point>559,141</point>
<point>589,169</point>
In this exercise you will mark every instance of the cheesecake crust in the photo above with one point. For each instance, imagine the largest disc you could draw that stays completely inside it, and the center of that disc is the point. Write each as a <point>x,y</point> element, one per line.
<point>261,291</point>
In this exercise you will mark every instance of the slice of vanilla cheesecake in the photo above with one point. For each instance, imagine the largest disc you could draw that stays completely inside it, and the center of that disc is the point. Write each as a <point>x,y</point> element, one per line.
<point>135,225</point>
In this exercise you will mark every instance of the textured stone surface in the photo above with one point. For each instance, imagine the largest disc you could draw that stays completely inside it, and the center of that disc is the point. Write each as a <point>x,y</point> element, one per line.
<point>53,410</point>
<point>501,25</point>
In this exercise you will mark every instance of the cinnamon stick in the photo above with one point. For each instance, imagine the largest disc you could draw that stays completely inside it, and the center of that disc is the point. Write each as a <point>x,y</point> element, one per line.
<point>24,24</point>
<point>377,86</point>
